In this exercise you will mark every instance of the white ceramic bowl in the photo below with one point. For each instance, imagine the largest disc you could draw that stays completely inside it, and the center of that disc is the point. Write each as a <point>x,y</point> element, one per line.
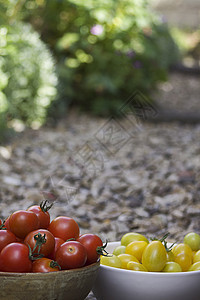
<point>119,284</point>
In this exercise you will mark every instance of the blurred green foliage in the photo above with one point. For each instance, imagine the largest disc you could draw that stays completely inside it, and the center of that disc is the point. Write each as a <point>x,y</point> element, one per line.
<point>27,81</point>
<point>27,74</point>
<point>105,49</point>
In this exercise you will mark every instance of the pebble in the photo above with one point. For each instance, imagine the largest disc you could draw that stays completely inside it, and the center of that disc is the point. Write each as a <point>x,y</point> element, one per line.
<point>140,212</point>
<point>193,210</point>
<point>13,181</point>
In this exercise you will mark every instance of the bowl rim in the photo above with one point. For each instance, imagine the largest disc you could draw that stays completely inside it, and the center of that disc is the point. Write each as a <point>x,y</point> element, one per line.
<point>171,274</point>
<point>14,274</point>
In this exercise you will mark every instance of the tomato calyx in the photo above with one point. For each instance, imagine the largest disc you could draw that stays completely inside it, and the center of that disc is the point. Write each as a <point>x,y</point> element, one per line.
<point>101,250</point>
<point>168,249</point>
<point>45,205</point>
<point>162,239</point>
<point>34,256</point>
<point>164,242</point>
<point>40,240</point>
<point>54,264</point>
<point>2,226</point>
<point>72,239</point>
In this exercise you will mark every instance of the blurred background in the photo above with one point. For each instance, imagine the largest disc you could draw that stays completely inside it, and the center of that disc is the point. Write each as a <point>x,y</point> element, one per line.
<point>66,68</point>
<point>91,55</point>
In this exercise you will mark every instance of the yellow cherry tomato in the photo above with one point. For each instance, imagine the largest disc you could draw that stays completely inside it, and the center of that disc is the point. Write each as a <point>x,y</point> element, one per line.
<point>195,266</point>
<point>170,256</point>
<point>172,266</point>
<point>184,260</point>
<point>119,250</point>
<point>193,254</point>
<point>192,239</point>
<point>135,266</point>
<point>136,249</point>
<point>182,248</point>
<point>125,258</point>
<point>154,256</point>
<point>196,256</point>
<point>131,237</point>
<point>111,261</point>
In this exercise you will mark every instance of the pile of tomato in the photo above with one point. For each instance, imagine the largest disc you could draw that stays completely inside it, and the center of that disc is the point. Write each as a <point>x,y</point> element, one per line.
<point>137,253</point>
<point>31,242</point>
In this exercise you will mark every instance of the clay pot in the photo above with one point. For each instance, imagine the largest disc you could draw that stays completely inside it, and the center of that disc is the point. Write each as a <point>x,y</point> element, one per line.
<point>63,285</point>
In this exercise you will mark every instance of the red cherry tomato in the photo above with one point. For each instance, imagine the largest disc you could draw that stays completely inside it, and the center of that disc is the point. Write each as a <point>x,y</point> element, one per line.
<point>15,258</point>
<point>44,265</point>
<point>6,224</point>
<point>93,245</point>
<point>42,213</point>
<point>64,228</point>
<point>71,255</point>
<point>22,222</point>
<point>58,243</point>
<point>6,237</point>
<point>45,237</point>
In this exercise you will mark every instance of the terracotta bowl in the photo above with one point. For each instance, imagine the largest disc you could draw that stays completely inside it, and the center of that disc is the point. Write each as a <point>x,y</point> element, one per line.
<point>63,285</point>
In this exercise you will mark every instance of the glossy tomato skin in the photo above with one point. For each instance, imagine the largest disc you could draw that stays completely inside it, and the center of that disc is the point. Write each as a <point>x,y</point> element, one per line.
<point>154,256</point>
<point>192,239</point>
<point>15,258</point>
<point>170,256</point>
<point>125,259</point>
<point>22,222</point>
<point>91,242</point>
<point>172,266</point>
<point>58,243</point>
<point>136,249</point>
<point>64,228</point>
<point>6,237</point>
<point>47,248</point>
<point>132,237</point>
<point>136,266</point>
<point>43,216</point>
<point>111,261</point>
<point>196,256</point>
<point>195,266</point>
<point>44,265</point>
<point>71,255</point>
<point>184,260</point>
<point>119,250</point>
<point>182,248</point>
<point>7,226</point>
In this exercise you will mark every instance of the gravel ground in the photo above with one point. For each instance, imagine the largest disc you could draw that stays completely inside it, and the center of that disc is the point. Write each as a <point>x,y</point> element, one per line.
<point>151,184</point>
